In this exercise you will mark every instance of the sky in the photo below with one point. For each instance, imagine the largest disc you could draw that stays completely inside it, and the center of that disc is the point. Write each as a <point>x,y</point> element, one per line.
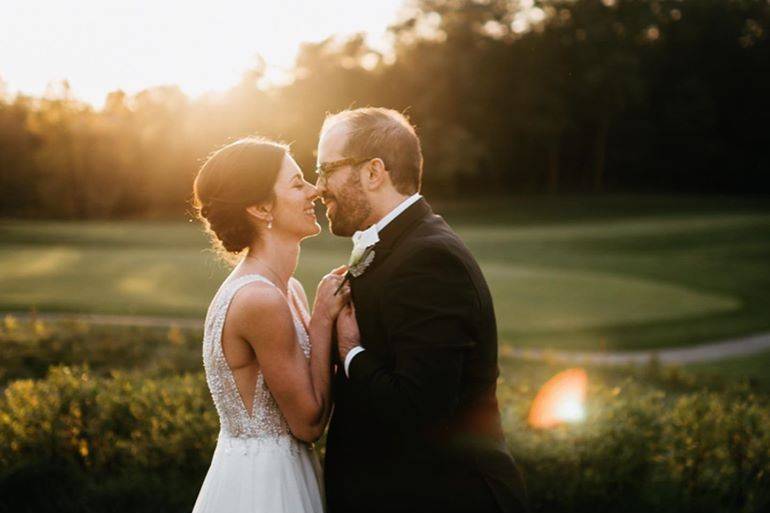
<point>100,46</point>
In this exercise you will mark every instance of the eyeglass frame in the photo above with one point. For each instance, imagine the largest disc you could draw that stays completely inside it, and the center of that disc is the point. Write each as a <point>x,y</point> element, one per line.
<point>327,168</point>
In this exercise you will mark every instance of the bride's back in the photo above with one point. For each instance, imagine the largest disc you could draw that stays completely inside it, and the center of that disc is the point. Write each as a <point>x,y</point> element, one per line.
<point>240,357</point>
<point>244,403</point>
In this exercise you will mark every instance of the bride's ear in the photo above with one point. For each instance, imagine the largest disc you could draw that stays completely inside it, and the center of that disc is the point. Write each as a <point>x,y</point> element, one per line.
<point>261,213</point>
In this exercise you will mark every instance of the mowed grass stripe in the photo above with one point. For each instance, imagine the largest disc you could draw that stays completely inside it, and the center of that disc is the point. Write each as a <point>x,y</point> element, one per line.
<point>627,283</point>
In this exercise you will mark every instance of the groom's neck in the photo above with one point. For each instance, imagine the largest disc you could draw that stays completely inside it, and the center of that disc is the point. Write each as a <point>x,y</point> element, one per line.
<point>385,203</point>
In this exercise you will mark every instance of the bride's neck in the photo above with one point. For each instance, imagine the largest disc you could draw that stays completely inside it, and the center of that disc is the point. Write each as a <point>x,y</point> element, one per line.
<point>278,255</point>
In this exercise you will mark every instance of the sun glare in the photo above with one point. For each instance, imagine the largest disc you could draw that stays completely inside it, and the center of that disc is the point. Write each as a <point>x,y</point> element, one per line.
<point>99,46</point>
<point>560,400</point>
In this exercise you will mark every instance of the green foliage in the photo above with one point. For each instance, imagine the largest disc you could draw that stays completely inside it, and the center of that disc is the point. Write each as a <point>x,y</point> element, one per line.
<point>142,437</point>
<point>129,442</point>
<point>29,347</point>
<point>142,442</point>
<point>644,448</point>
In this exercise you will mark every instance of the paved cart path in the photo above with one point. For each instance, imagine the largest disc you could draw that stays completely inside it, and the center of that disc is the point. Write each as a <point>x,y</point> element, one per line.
<point>734,347</point>
<point>731,348</point>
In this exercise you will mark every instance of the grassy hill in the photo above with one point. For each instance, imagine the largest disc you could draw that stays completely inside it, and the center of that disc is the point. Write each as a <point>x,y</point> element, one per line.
<point>572,273</point>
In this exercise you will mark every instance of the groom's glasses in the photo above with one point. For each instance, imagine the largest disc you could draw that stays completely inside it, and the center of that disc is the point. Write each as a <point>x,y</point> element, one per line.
<point>327,168</point>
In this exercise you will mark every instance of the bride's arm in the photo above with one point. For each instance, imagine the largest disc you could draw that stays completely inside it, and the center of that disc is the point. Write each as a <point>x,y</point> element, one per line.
<point>302,391</point>
<point>320,328</point>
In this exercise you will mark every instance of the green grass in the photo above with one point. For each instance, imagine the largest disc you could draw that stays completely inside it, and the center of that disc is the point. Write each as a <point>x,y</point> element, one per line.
<point>574,273</point>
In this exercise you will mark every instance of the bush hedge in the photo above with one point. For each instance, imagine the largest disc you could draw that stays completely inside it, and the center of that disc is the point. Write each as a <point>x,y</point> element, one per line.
<point>76,441</point>
<point>29,346</point>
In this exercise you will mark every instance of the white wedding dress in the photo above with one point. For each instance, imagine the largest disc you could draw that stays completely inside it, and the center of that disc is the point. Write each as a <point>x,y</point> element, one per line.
<point>258,466</point>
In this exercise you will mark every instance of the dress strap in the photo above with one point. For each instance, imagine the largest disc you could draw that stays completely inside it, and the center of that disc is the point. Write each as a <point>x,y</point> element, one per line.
<point>221,303</point>
<point>233,286</point>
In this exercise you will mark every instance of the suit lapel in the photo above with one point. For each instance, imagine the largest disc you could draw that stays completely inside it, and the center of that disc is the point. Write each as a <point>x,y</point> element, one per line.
<point>399,226</point>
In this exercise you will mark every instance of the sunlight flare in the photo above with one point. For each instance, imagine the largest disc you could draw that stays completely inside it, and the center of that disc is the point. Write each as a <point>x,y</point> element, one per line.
<point>560,400</point>
<point>201,47</point>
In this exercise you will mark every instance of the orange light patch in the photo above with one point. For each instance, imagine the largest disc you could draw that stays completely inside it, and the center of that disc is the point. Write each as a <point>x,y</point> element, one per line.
<point>561,399</point>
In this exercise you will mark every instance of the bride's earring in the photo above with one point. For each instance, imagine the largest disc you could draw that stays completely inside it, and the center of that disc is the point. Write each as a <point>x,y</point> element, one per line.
<point>270,224</point>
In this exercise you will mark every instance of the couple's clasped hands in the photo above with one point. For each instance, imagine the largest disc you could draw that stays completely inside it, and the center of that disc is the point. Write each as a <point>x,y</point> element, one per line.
<point>337,308</point>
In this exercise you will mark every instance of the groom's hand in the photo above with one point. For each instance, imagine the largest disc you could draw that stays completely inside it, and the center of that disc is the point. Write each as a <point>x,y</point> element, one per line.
<point>348,335</point>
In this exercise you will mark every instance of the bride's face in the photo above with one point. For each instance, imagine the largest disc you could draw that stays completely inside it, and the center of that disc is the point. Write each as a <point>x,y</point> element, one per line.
<point>293,210</point>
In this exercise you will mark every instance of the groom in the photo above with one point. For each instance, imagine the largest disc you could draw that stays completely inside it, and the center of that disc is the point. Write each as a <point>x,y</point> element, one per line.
<point>416,427</point>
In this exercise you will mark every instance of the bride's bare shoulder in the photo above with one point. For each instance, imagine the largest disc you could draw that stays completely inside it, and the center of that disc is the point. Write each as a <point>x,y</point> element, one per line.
<point>256,303</point>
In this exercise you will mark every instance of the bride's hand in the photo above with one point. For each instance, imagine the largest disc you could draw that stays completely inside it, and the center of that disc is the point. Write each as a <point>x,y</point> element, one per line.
<point>327,304</point>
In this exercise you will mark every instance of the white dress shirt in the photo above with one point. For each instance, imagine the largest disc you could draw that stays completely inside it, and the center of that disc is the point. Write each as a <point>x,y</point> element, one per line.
<point>382,223</point>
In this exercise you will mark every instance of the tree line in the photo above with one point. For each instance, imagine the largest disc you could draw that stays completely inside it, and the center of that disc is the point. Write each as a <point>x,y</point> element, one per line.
<point>551,96</point>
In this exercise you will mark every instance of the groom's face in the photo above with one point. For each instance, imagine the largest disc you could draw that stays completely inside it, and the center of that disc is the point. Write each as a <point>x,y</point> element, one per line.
<point>347,207</point>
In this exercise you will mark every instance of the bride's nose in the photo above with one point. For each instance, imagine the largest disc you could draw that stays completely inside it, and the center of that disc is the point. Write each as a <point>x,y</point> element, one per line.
<point>313,192</point>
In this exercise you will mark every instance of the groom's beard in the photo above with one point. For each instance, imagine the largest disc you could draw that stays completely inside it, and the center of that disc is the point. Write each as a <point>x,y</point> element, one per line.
<point>350,208</point>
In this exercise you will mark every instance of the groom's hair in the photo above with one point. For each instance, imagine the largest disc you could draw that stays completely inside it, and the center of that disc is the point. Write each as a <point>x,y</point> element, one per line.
<point>386,134</point>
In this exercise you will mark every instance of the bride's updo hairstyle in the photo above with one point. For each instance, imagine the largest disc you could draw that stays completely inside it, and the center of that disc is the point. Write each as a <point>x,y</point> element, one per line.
<point>234,177</point>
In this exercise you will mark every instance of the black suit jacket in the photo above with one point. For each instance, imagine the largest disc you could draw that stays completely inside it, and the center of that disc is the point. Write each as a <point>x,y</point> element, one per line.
<point>416,427</point>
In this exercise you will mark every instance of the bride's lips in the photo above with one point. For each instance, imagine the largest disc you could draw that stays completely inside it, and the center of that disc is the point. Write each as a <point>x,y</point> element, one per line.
<point>310,212</point>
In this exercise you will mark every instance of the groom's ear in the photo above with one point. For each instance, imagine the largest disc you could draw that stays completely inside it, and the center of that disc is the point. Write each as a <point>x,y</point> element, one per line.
<point>375,174</point>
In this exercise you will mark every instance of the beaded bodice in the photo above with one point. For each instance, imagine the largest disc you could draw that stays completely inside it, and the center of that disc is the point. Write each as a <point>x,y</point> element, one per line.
<point>265,420</point>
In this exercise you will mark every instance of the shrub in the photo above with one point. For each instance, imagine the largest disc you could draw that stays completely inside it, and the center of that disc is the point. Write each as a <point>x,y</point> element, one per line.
<point>121,443</point>
<point>29,347</point>
<point>129,442</point>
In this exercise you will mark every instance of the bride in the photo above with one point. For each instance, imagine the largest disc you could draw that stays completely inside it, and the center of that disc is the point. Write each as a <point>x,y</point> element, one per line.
<point>267,359</point>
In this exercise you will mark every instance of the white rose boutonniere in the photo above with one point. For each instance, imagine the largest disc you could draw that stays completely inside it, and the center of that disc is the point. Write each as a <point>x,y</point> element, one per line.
<point>362,244</point>
<point>363,253</point>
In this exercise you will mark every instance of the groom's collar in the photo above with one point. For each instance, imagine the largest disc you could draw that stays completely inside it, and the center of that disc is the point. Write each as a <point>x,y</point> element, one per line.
<point>390,216</point>
<point>415,211</point>
<point>365,238</point>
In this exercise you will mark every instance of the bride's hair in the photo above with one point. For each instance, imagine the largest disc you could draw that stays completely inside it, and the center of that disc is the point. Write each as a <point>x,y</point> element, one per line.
<point>234,177</point>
